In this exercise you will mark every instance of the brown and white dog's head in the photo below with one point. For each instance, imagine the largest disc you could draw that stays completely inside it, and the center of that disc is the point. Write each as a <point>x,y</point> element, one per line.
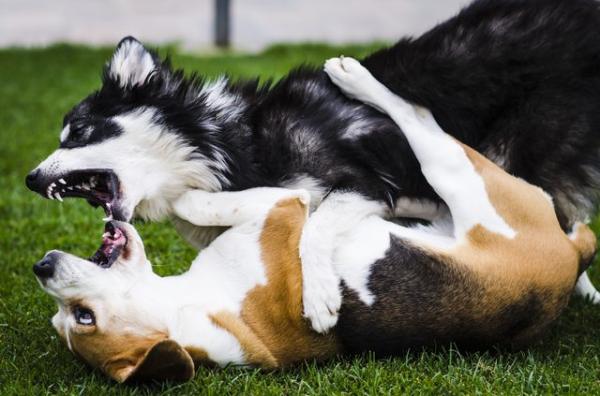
<point>107,311</point>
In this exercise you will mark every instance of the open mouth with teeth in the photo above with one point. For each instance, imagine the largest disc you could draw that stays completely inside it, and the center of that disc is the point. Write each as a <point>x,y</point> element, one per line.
<point>100,187</point>
<point>114,240</point>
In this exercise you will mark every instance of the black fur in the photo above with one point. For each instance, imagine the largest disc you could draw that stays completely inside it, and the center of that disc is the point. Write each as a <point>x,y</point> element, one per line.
<point>517,77</point>
<point>518,80</point>
<point>423,301</point>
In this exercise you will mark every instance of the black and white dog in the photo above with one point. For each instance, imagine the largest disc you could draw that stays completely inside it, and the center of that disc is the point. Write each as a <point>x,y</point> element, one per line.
<point>517,80</point>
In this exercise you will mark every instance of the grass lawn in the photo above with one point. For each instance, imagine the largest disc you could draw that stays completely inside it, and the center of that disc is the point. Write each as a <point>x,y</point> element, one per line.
<point>36,88</point>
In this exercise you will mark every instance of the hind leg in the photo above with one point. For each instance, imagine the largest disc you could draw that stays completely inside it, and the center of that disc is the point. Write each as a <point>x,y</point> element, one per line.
<point>443,160</point>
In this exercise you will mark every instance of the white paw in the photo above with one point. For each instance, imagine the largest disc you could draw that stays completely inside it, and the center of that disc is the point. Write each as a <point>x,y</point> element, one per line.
<point>191,205</point>
<point>322,301</point>
<point>593,298</point>
<point>585,288</point>
<point>352,78</point>
<point>183,206</point>
<point>321,296</point>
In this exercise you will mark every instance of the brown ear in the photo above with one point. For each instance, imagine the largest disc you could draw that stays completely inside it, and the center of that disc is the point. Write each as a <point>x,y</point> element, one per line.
<point>164,360</point>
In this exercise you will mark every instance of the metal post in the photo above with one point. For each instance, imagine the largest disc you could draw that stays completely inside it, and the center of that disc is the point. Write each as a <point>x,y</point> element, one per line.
<point>222,23</point>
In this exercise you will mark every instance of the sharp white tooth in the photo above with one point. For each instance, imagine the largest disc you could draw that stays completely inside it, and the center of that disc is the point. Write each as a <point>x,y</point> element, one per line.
<point>109,218</point>
<point>85,187</point>
<point>49,194</point>
<point>53,185</point>
<point>62,181</point>
<point>69,187</point>
<point>57,196</point>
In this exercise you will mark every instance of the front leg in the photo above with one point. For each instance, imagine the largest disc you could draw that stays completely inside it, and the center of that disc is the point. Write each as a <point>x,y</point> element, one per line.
<point>232,208</point>
<point>337,214</point>
<point>356,82</point>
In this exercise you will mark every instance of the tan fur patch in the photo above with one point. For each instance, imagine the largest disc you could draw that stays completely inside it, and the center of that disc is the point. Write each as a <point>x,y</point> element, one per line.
<point>199,356</point>
<point>271,319</point>
<point>540,257</point>
<point>125,356</point>
<point>255,351</point>
<point>585,241</point>
<point>116,355</point>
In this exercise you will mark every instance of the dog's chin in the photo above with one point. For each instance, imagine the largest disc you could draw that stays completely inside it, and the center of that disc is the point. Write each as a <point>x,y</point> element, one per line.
<point>114,245</point>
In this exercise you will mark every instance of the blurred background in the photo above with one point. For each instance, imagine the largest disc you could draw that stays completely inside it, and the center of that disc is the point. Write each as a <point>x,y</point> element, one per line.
<point>249,25</point>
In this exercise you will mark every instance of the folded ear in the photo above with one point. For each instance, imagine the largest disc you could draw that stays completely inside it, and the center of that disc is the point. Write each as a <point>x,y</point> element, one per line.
<point>131,63</point>
<point>164,360</point>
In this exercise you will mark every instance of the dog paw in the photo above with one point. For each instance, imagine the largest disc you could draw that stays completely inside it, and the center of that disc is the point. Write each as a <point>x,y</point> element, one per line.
<point>585,288</point>
<point>322,301</point>
<point>321,294</point>
<point>191,206</point>
<point>351,77</point>
<point>183,206</point>
<point>592,297</point>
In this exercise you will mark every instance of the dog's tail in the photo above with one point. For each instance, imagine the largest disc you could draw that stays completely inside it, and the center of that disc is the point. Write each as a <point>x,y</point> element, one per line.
<point>585,242</point>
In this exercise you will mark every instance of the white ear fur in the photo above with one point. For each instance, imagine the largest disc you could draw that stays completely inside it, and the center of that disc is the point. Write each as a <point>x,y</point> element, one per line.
<point>131,63</point>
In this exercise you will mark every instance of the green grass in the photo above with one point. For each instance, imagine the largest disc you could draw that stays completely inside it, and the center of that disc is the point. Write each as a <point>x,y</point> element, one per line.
<point>36,88</point>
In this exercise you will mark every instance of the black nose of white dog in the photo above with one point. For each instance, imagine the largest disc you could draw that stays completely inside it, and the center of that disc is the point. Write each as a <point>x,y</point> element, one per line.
<point>33,180</point>
<point>44,269</point>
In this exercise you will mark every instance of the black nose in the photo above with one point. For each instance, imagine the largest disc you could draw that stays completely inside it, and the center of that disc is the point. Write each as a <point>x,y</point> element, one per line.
<point>45,268</point>
<point>32,180</point>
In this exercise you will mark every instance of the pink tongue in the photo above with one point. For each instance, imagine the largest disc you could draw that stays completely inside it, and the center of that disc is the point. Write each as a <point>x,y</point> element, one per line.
<point>119,236</point>
<point>108,241</point>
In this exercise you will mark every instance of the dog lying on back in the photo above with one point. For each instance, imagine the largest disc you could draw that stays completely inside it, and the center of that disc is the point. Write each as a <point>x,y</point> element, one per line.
<point>497,269</point>
<point>516,80</point>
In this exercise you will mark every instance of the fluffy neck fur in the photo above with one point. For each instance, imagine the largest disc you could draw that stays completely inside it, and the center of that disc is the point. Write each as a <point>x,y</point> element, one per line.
<point>202,141</point>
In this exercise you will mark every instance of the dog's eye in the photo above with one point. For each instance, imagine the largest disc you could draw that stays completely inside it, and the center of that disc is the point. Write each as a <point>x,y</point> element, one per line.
<point>78,132</point>
<point>84,316</point>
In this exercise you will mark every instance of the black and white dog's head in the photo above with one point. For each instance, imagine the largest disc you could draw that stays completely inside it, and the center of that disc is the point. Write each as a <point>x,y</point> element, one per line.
<point>147,135</point>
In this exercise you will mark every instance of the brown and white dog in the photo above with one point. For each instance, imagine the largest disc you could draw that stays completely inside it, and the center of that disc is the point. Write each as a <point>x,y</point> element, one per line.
<point>497,268</point>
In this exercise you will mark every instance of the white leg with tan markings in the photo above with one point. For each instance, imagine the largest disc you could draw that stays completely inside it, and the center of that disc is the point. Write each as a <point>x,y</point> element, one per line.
<point>443,160</point>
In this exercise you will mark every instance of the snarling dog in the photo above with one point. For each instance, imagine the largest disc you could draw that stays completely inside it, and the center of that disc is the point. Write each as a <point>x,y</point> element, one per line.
<point>516,80</point>
<point>497,269</point>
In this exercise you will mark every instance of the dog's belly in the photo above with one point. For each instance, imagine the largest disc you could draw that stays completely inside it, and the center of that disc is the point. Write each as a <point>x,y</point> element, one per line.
<point>416,301</point>
<point>397,296</point>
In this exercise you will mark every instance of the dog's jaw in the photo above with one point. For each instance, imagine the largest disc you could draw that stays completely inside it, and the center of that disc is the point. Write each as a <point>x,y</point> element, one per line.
<point>154,201</point>
<point>153,166</point>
